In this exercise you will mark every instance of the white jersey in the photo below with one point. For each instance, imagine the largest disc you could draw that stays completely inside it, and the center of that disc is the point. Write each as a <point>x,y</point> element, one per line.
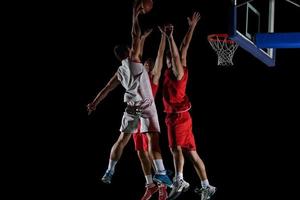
<point>139,98</point>
<point>135,79</point>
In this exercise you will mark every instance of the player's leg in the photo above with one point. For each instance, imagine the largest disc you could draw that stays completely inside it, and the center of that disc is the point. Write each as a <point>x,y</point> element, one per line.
<point>141,147</point>
<point>154,150</point>
<point>115,155</point>
<point>129,126</point>
<point>179,184</point>
<point>178,160</point>
<point>206,190</point>
<point>176,126</point>
<point>150,126</point>
<point>198,165</point>
<point>150,187</point>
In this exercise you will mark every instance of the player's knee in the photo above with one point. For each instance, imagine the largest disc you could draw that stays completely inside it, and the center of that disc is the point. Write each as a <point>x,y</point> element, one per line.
<point>155,144</point>
<point>142,155</point>
<point>155,147</point>
<point>125,137</point>
<point>154,137</point>
<point>176,149</point>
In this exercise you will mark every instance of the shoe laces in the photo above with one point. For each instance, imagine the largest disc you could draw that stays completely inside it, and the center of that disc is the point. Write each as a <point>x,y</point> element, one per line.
<point>161,190</point>
<point>108,173</point>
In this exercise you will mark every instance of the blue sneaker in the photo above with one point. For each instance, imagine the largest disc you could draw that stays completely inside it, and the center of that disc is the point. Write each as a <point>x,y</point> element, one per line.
<point>107,177</point>
<point>169,173</point>
<point>163,178</point>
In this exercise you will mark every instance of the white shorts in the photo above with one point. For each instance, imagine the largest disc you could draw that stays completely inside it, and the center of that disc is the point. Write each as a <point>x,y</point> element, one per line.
<point>130,123</point>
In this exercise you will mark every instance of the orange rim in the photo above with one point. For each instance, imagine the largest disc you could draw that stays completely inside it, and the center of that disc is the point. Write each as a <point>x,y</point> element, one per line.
<point>223,37</point>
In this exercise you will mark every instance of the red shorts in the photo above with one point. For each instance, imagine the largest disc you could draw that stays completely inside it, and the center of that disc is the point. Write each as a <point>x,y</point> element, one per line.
<point>140,141</point>
<point>180,132</point>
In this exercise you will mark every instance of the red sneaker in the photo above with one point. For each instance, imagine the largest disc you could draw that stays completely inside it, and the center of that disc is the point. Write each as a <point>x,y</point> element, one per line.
<point>162,191</point>
<point>150,190</point>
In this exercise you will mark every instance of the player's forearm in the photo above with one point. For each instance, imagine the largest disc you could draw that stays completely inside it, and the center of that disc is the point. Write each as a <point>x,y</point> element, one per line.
<point>176,58</point>
<point>160,55</point>
<point>173,48</point>
<point>136,37</point>
<point>136,29</point>
<point>162,46</point>
<point>187,39</point>
<point>136,49</point>
<point>100,96</point>
<point>142,42</point>
<point>111,85</point>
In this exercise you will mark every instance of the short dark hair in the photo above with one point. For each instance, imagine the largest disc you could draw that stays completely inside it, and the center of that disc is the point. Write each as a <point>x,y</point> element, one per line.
<point>121,52</point>
<point>150,61</point>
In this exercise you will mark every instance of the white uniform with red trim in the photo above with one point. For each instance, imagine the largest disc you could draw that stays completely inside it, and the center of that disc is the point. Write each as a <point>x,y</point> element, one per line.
<point>139,98</point>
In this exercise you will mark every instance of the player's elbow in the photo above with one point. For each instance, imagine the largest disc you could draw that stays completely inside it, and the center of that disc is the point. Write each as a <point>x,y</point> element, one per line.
<point>134,34</point>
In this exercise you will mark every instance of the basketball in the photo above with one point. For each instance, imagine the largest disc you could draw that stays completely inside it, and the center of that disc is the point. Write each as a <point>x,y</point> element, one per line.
<point>147,5</point>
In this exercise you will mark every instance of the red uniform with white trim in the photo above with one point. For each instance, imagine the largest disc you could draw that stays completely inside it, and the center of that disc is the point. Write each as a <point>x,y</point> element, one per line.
<point>177,105</point>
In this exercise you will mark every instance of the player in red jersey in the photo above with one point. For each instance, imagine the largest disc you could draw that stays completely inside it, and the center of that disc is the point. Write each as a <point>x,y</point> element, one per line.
<point>178,120</point>
<point>140,139</point>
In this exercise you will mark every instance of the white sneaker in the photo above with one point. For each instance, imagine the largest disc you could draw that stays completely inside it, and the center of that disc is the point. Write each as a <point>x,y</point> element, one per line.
<point>107,177</point>
<point>206,193</point>
<point>179,186</point>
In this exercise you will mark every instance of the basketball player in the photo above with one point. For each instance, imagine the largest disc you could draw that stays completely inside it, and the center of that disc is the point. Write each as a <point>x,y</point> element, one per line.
<point>178,120</point>
<point>140,108</point>
<point>140,139</point>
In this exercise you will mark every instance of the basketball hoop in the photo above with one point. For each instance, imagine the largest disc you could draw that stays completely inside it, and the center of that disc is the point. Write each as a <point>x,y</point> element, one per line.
<point>224,47</point>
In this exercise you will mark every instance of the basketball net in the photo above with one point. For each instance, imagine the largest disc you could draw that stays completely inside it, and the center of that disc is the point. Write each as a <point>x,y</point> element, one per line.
<point>224,47</point>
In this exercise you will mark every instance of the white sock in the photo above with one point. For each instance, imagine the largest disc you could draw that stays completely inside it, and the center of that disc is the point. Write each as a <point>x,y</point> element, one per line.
<point>205,183</point>
<point>179,176</point>
<point>159,165</point>
<point>148,179</point>
<point>154,166</point>
<point>111,165</point>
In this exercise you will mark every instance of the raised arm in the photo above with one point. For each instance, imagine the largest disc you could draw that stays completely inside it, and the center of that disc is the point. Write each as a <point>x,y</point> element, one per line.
<point>136,32</point>
<point>142,42</point>
<point>111,85</point>
<point>188,36</point>
<point>177,67</point>
<point>156,72</point>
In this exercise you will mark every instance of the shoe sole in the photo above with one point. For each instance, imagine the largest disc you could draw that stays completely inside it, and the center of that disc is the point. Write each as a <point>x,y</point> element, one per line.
<point>151,195</point>
<point>175,196</point>
<point>212,196</point>
<point>105,181</point>
<point>179,193</point>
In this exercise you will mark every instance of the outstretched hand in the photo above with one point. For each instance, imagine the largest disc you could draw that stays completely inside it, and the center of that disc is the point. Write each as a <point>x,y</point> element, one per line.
<point>167,30</point>
<point>137,8</point>
<point>194,19</point>
<point>91,107</point>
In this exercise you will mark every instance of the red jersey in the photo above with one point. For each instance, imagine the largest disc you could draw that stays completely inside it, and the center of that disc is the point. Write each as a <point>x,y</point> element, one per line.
<point>175,99</point>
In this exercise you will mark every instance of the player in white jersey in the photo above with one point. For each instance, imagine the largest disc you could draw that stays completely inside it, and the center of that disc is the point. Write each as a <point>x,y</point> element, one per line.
<point>140,108</point>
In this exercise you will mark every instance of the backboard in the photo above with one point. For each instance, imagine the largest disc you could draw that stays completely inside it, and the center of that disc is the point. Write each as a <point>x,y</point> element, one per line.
<point>253,28</point>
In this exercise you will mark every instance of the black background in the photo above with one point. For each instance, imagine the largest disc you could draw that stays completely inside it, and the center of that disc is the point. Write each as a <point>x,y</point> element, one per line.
<point>245,117</point>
